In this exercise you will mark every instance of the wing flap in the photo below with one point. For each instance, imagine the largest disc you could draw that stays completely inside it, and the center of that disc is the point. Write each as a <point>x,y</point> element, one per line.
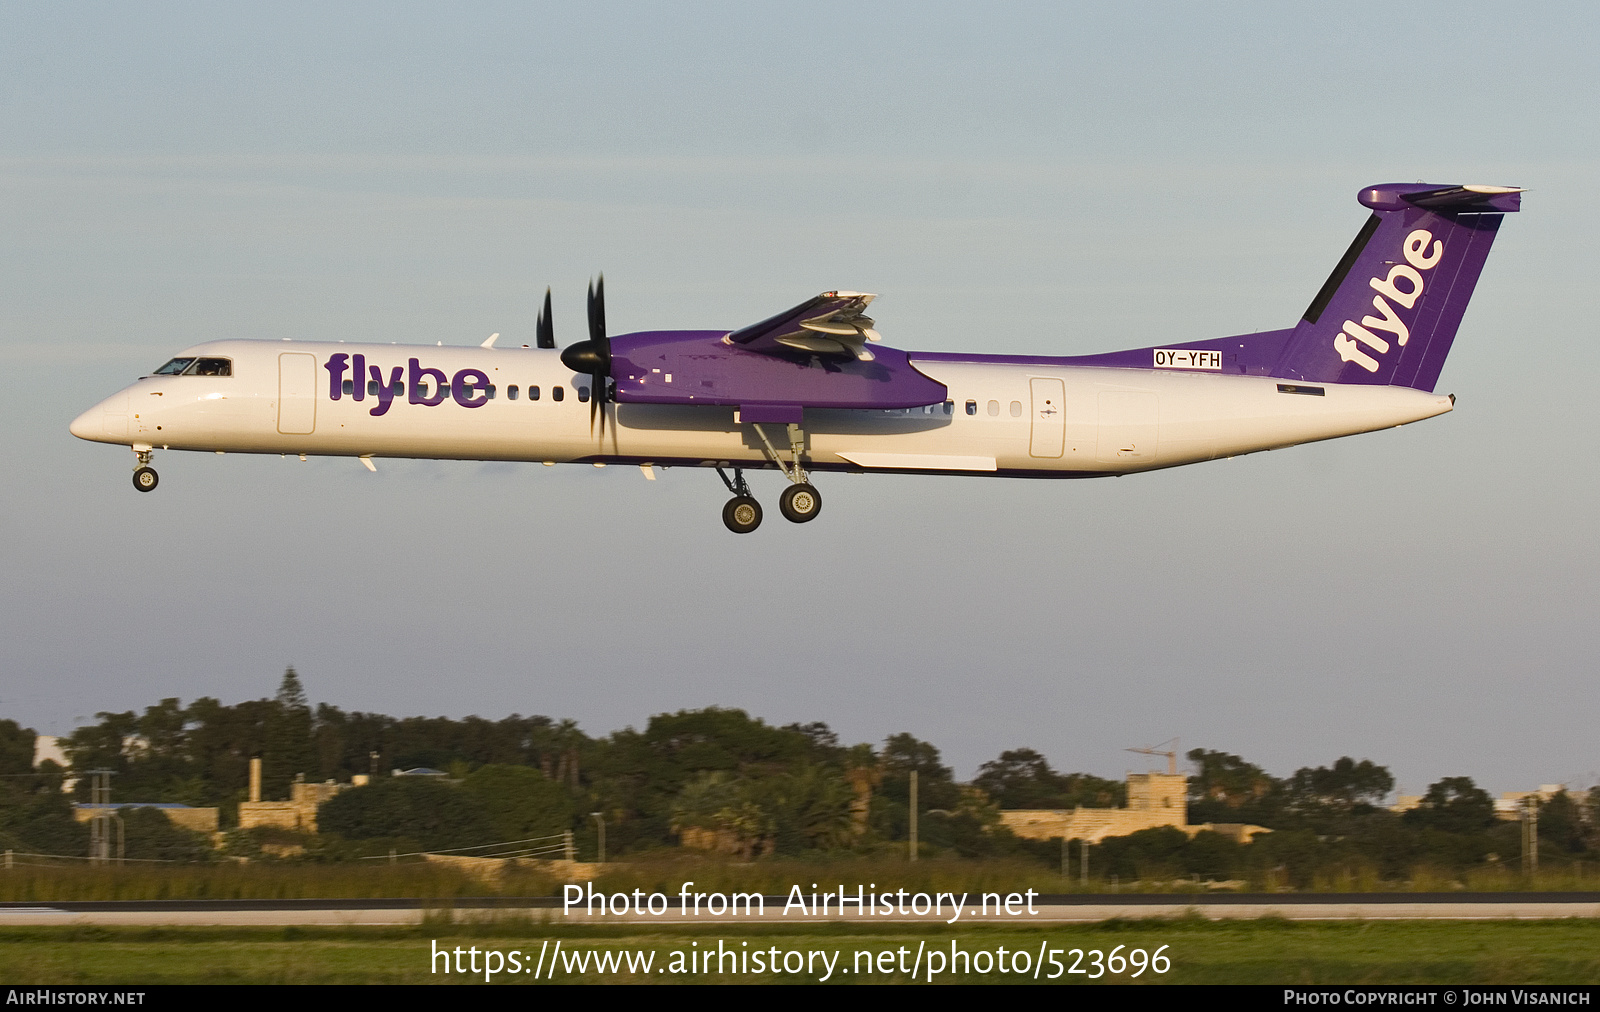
<point>833,323</point>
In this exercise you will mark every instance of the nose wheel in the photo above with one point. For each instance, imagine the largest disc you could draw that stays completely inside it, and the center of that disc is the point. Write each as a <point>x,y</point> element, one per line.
<point>145,478</point>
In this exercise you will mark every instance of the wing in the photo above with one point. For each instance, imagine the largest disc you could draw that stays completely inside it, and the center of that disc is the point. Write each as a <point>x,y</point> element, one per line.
<point>812,356</point>
<point>833,323</point>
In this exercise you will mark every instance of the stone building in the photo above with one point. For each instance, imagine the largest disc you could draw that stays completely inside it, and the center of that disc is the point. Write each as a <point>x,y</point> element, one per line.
<point>298,814</point>
<point>1154,800</point>
<point>198,820</point>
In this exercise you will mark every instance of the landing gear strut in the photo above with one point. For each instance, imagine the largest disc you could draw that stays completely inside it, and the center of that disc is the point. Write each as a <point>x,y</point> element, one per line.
<point>145,478</point>
<point>742,513</point>
<point>800,502</point>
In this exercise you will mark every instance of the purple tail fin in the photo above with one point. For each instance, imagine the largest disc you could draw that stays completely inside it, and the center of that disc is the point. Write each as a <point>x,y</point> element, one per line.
<point>1390,310</point>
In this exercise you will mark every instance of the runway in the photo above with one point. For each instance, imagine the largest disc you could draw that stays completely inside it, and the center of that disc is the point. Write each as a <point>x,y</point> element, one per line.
<point>1048,909</point>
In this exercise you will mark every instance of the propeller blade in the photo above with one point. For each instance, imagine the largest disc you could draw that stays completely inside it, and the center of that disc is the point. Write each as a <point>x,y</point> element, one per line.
<point>602,347</point>
<point>545,329</point>
<point>597,316</point>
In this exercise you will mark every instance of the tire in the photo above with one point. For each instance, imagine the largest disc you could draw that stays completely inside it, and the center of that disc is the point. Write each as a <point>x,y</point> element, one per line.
<point>742,514</point>
<point>800,503</point>
<point>145,479</point>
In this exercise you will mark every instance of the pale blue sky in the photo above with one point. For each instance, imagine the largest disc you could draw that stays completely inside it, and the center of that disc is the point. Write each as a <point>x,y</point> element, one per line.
<point>1018,178</point>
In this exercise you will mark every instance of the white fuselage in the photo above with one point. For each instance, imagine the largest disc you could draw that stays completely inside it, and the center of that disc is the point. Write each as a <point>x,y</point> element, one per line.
<point>1035,419</point>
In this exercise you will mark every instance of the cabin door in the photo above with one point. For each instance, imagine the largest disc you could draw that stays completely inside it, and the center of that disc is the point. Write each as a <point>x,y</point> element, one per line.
<point>297,393</point>
<point>1049,418</point>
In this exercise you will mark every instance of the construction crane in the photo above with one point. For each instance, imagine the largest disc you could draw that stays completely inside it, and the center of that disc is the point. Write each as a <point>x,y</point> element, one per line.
<point>1172,756</point>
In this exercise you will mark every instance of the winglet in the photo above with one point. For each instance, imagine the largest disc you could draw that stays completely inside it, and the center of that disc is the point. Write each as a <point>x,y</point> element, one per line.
<point>490,343</point>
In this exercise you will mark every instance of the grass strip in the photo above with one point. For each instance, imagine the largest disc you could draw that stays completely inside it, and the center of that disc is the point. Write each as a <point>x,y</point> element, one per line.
<point>1266,951</point>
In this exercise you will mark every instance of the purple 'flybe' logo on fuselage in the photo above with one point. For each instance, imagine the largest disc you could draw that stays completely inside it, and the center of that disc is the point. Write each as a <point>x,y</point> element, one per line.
<point>427,387</point>
<point>1419,257</point>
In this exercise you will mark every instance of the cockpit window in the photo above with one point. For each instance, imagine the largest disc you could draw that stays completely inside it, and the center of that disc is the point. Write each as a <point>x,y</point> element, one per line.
<point>196,367</point>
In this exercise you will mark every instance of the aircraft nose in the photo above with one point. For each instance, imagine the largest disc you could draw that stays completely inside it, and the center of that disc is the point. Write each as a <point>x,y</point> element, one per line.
<point>106,422</point>
<point>87,425</point>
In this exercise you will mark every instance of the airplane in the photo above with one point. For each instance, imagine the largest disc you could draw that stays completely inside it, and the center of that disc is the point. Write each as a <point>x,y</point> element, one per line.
<point>813,389</point>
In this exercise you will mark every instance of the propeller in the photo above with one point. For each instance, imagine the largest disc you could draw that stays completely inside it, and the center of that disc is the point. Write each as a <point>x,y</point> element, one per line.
<point>546,332</point>
<point>594,355</point>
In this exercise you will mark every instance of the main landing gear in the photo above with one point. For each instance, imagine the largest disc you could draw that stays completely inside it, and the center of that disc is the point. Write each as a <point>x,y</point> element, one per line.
<point>742,513</point>
<point>799,503</point>
<point>145,478</point>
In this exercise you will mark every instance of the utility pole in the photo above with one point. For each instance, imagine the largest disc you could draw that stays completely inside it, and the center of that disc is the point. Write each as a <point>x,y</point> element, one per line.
<point>100,818</point>
<point>1083,861</point>
<point>913,815</point>
<point>567,849</point>
<point>600,818</point>
<point>1530,834</point>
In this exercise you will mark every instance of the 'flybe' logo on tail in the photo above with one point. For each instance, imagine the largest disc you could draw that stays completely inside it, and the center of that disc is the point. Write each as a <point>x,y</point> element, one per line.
<point>1404,287</point>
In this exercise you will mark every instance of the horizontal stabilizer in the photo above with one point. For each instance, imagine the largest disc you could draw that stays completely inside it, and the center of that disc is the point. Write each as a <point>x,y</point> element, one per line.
<point>1470,199</point>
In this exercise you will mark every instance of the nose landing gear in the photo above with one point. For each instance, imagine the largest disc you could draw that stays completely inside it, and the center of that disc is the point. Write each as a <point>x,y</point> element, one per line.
<point>145,478</point>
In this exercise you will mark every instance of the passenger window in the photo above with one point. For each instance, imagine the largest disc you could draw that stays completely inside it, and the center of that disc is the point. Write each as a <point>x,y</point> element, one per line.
<point>994,409</point>
<point>213,367</point>
<point>949,406</point>
<point>372,388</point>
<point>556,393</point>
<point>972,407</point>
<point>349,387</point>
<point>583,394</point>
<point>173,367</point>
<point>511,392</point>
<point>490,388</point>
<point>1016,409</point>
<point>533,393</point>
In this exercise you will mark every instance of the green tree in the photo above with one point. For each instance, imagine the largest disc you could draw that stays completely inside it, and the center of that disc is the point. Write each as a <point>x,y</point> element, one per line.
<point>1225,788</point>
<point>436,816</point>
<point>1022,778</point>
<point>150,835</point>
<point>520,802</point>
<point>810,806</point>
<point>289,746</point>
<point>16,748</point>
<point>1561,828</point>
<point>1341,788</point>
<point>1454,805</point>
<point>35,817</point>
